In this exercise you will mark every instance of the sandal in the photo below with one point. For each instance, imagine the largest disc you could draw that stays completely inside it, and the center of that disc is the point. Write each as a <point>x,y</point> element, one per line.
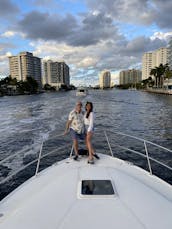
<point>90,161</point>
<point>75,157</point>
<point>96,156</point>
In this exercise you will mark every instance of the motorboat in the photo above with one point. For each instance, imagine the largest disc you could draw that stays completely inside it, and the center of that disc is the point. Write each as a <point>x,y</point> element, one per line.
<point>132,89</point>
<point>111,193</point>
<point>81,91</point>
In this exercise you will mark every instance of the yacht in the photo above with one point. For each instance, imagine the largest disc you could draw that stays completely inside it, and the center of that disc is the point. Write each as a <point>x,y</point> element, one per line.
<point>111,193</point>
<point>81,91</point>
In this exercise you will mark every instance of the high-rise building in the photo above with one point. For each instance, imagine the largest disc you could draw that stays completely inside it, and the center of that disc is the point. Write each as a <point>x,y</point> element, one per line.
<point>56,73</point>
<point>25,65</point>
<point>162,56</point>
<point>105,79</point>
<point>170,54</point>
<point>131,76</point>
<point>148,61</point>
<point>153,59</point>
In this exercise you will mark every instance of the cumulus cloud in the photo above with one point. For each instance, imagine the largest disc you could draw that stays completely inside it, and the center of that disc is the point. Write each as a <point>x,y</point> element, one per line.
<point>162,14</point>
<point>4,46</point>
<point>8,9</point>
<point>4,66</point>
<point>139,45</point>
<point>92,28</point>
<point>78,56</point>
<point>91,41</point>
<point>8,34</point>
<point>87,62</point>
<point>38,25</point>
<point>103,55</point>
<point>4,54</point>
<point>162,36</point>
<point>137,11</point>
<point>144,12</point>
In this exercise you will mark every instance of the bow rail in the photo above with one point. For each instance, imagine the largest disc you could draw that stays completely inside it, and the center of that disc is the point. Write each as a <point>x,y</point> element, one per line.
<point>107,135</point>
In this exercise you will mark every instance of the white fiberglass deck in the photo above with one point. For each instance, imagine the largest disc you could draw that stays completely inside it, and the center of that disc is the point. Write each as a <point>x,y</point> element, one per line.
<point>52,200</point>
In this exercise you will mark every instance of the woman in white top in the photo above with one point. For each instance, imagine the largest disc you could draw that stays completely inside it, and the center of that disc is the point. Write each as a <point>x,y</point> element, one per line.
<point>89,124</point>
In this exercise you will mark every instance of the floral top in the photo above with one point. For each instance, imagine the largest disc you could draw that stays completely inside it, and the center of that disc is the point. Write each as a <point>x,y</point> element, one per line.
<point>77,121</point>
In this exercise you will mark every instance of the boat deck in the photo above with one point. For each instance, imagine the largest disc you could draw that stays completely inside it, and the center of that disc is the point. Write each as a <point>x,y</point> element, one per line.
<point>53,198</point>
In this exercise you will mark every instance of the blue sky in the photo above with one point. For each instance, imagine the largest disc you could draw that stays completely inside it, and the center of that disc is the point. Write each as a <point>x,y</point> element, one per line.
<point>89,35</point>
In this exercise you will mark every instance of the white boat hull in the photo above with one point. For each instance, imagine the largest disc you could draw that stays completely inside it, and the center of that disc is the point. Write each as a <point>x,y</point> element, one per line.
<point>53,199</point>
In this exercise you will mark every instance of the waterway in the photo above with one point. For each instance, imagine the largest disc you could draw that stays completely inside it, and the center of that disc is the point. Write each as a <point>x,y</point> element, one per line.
<point>26,120</point>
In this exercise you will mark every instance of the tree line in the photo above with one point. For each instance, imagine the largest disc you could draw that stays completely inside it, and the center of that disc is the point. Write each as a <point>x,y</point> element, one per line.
<point>10,86</point>
<point>156,78</point>
<point>160,74</point>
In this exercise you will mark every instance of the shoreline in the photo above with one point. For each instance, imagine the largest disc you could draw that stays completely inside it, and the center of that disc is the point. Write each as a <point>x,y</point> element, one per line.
<point>159,91</point>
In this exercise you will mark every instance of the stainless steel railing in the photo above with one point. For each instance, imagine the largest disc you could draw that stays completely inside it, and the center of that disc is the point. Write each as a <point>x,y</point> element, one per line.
<point>37,160</point>
<point>107,138</point>
<point>145,142</point>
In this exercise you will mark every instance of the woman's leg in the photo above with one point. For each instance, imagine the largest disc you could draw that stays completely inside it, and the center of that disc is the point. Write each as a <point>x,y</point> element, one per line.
<point>89,145</point>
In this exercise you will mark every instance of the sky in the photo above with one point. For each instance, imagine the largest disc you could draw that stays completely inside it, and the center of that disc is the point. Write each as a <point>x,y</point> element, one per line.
<point>89,35</point>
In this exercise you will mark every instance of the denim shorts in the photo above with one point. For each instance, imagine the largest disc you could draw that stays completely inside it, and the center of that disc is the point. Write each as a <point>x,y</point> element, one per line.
<point>76,136</point>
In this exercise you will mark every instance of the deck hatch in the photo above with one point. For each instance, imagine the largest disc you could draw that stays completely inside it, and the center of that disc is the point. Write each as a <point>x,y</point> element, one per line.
<point>97,187</point>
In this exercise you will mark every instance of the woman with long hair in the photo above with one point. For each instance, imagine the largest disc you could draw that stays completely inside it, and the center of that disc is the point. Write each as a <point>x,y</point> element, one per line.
<point>89,124</point>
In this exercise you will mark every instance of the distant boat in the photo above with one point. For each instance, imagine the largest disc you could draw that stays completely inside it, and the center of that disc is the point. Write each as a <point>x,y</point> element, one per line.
<point>81,91</point>
<point>132,88</point>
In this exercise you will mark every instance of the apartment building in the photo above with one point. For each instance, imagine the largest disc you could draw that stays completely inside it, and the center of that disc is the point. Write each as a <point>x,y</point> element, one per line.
<point>131,76</point>
<point>56,73</point>
<point>162,56</point>
<point>25,65</point>
<point>170,54</point>
<point>105,79</point>
<point>153,59</point>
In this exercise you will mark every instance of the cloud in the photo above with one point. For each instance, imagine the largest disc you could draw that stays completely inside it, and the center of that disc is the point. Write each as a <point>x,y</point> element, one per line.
<point>4,46</point>
<point>92,41</point>
<point>162,36</point>
<point>139,45</point>
<point>137,11</point>
<point>92,28</point>
<point>8,9</point>
<point>87,62</point>
<point>38,25</point>
<point>143,12</point>
<point>162,14</point>
<point>8,34</point>
<point>4,63</point>
<point>111,54</point>
<point>4,54</point>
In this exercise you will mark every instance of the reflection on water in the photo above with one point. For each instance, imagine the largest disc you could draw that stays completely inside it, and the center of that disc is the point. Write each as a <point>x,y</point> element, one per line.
<point>25,120</point>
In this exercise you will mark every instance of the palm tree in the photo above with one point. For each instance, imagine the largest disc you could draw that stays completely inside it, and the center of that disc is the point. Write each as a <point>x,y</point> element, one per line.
<point>160,70</point>
<point>159,73</point>
<point>168,75</point>
<point>154,73</point>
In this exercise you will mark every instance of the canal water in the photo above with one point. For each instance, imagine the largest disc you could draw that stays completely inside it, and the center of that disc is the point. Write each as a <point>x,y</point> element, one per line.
<point>25,121</point>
